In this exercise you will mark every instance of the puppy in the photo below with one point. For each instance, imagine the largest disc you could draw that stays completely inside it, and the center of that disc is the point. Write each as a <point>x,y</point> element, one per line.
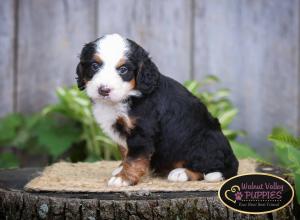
<point>157,123</point>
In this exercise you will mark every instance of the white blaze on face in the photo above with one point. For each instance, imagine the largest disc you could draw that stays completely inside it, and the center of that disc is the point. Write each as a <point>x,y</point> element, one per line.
<point>111,49</point>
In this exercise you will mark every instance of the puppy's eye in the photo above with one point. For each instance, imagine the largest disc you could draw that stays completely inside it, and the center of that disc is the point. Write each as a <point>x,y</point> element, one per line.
<point>123,70</point>
<point>95,66</point>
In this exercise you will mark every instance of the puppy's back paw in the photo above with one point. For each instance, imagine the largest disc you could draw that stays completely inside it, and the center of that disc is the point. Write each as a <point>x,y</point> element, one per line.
<point>213,177</point>
<point>178,175</point>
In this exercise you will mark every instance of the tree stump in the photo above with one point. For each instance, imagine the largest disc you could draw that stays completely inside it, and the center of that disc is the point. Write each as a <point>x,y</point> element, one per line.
<point>15,203</point>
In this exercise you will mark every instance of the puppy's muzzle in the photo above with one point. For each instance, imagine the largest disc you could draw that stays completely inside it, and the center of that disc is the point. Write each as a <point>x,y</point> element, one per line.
<point>104,91</point>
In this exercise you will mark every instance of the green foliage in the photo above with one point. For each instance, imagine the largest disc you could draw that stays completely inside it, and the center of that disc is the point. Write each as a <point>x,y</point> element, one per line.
<point>281,136</point>
<point>37,134</point>
<point>75,105</point>
<point>15,130</point>
<point>8,127</point>
<point>56,137</point>
<point>55,130</point>
<point>242,150</point>
<point>287,150</point>
<point>70,123</point>
<point>8,160</point>
<point>217,102</point>
<point>220,106</point>
<point>297,185</point>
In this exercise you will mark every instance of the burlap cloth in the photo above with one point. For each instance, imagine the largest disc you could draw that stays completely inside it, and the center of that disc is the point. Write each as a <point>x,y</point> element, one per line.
<point>93,177</point>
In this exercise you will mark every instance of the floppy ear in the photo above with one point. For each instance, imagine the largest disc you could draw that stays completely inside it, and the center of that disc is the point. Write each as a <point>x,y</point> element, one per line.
<point>147,78</point>
<point>79,78</point>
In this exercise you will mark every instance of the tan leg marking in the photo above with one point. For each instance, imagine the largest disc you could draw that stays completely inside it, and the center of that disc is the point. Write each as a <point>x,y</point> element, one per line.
<point>133,170</point>
<point>194,175</point>
<point>123,151</point>
<point>191,175</point>
<point>179,164</point>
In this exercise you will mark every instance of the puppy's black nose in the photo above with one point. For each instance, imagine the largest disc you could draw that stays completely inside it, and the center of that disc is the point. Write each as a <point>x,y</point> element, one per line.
<point>104,91</point>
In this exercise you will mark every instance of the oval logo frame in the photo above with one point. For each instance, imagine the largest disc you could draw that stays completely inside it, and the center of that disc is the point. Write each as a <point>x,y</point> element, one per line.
<point>256,193</point>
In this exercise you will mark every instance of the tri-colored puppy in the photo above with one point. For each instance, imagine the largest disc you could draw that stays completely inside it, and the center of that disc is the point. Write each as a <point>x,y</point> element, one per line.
<point>157,123</point>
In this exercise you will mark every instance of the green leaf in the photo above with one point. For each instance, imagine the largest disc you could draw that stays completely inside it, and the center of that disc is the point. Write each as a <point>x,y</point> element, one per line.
<point>284,140</point>
<point>294,157</point>
<point>192,86</point>
<point>210,79</point>
<point>8,160</point>
<point>243,151</point>
<point>13,120</point>
<point>282,155</point>
<point>8,128</point>
<point>227,117</point>
<point>281,136</point>
<point>22,137</point>
<point>232,134</point>
<point>31,121</point>
<point>217,102</point>
<point>56,137</point>
<point>286,148</point>
<point>222,93</point>
<point>76,106</point>
<point>297,185</point>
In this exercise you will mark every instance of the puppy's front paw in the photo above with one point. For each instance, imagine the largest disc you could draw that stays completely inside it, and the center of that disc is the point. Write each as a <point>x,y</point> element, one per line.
<point>117,171</point>
<point>178,175</point>
<point>117,182</point>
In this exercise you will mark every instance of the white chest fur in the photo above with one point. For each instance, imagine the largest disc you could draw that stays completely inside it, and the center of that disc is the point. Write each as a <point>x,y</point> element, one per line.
<point>106,115</point>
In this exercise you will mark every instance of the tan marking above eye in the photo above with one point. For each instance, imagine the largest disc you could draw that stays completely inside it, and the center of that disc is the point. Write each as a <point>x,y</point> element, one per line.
<point>121,62</point>
<point>97,58</point>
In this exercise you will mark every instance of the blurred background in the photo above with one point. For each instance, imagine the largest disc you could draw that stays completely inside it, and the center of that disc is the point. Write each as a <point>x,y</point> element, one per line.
<point>251,46</point>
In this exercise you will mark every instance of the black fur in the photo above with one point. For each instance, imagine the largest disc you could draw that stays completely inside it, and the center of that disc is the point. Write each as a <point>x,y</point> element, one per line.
<point>84,71</point>
<point>171,124</point>
<point>121,129</point>
<point>147,74</point>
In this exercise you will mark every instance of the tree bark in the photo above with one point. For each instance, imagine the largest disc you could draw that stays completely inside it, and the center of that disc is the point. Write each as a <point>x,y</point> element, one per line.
<point>15,203</point>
